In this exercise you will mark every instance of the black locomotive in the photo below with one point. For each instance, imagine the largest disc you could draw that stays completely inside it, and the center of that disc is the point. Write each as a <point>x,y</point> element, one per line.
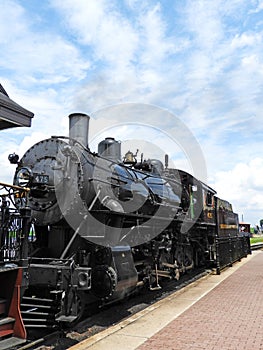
<point>106,225</point>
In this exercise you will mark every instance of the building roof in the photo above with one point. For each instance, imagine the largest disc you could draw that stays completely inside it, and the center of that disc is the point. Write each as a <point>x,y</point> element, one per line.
<point>11,113</point>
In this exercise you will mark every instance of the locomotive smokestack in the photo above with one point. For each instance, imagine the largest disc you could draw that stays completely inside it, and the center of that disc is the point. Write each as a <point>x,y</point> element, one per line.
<point>79,128</point>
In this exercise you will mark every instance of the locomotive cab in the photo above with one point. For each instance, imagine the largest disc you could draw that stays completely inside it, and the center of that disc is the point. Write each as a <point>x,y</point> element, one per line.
<point>201,198</point>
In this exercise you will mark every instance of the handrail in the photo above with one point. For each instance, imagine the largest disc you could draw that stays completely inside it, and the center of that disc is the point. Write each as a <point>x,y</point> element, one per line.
<point>5,185</point>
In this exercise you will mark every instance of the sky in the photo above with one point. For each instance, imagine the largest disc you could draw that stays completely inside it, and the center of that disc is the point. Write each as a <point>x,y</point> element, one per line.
<point>178,77</point>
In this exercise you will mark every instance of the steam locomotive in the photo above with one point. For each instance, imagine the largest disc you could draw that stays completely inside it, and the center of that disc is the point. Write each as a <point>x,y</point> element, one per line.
<point>105,226</point>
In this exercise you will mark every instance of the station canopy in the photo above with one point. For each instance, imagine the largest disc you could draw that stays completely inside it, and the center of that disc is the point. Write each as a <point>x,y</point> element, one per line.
<point>11,113</point>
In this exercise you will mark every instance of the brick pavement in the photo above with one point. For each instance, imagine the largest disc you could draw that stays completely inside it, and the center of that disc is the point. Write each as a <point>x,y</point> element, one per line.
<point>230,317</point>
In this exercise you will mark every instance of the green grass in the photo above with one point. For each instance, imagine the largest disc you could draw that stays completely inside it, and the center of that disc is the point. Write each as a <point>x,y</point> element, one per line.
<point>256,239</point>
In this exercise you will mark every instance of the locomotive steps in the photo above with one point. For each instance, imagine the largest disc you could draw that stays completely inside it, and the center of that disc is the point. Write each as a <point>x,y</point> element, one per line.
<point>7,338</point>
<point>38,312</point>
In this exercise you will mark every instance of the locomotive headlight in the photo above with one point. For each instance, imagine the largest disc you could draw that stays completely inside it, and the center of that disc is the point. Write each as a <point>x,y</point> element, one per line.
<point>23,177</point>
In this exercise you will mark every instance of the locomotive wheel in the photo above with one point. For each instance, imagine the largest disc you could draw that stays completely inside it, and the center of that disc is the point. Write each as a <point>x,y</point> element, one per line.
<point>184,257</point>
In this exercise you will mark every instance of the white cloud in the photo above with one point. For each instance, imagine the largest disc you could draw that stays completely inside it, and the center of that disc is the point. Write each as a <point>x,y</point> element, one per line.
<point>243,186</point>
<point>100,26</point>
<point>36,57</point>
<point>246,39</point>
<point>204,20</point>
<point>13,22</point>
<point>202,60</point>
<point>258,8</point>
<point>155,45</point>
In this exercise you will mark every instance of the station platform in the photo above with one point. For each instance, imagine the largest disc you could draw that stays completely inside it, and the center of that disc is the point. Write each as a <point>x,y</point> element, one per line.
<point>217,312</point>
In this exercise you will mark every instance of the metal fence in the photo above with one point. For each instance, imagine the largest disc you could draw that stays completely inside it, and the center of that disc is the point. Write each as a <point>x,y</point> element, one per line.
<point>231,249</point>
<point>14,227</point>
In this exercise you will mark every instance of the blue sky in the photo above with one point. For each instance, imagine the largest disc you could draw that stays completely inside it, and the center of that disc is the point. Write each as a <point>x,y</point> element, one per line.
<point>200,61</point>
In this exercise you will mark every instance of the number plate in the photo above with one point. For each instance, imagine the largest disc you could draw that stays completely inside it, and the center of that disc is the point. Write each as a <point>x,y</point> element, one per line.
<point>41,179</point>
